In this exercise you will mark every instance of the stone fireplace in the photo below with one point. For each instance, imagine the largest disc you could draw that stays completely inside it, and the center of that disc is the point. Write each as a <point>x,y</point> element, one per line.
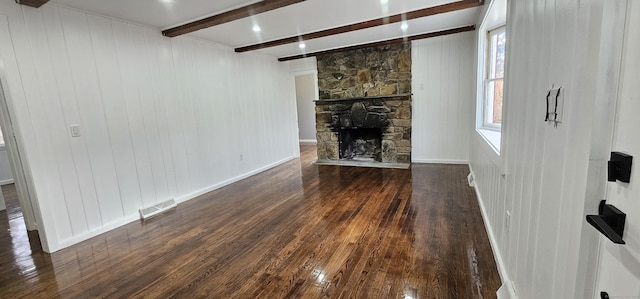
<point>364,110</point>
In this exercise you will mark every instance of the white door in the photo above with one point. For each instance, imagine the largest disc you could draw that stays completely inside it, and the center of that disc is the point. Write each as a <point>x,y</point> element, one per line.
<point>619,266</point>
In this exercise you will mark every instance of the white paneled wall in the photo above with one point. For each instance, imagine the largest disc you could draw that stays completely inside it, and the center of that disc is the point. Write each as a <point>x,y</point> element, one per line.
<point>443,102</point>
<point>159,117</point>
<point>545,245</point>
<point>6,177</point>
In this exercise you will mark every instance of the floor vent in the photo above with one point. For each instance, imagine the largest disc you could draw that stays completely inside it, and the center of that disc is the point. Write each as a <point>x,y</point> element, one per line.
<point>471,180</point>
<point>156,209</point>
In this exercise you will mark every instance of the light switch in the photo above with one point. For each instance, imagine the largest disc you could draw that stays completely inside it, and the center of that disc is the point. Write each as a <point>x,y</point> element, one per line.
<point>75,130</point>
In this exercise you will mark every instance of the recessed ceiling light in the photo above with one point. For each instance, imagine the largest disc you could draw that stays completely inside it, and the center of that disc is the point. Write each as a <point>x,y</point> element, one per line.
<point>302,45</point>
<point>404,26</point>
<point>166,1</point>
<point>256,28</point>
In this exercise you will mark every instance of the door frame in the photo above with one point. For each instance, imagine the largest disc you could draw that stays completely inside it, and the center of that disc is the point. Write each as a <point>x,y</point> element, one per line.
<point>16,158</point>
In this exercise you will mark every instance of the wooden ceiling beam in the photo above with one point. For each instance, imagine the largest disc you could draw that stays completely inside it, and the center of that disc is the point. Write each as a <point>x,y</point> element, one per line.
<point>232,15</point>
<point>449,7</point>
<point>382,43</point>
<point>32,3</point>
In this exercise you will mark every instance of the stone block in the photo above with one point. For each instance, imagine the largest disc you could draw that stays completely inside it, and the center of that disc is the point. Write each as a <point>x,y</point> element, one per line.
<point>389,152</point>
<point>406,135</point>
<point>393,103</point>
<point>403,149</point>
<point>404,60</point>
<point>364,76</point>
<point>321,151</point>
<point>404,76</point>
<point>404,87</point>
<point>324,136</point>
<point>392,136</point>
<point>401,122</point>
<point>389,89</point>
<point>372,92</point>
<point>403,113</point>
<point>323,117</point>
<point>379,109</point>
<point>333,151</point>
<point>375,120</point>
<point>403,143</point>
<point>322,127</point>
<point>348,82</point>
<point>403,158</point>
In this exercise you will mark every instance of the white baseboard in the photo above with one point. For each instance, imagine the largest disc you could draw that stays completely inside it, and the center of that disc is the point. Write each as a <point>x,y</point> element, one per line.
<point>308,141</point>
<point>135,216</point>
<point>92,233</point>
<point>439,161</point>
<point>507,287</point>
<point>195,194</point>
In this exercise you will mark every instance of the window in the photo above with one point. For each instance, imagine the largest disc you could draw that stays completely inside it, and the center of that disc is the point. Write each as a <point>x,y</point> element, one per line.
<point>494,81</point>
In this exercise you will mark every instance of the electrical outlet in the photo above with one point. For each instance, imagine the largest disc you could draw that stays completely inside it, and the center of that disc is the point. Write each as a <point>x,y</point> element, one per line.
<point>241,157</point>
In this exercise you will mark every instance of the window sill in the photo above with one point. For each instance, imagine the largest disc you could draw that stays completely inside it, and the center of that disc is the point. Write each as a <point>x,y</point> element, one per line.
<point>493,138</point>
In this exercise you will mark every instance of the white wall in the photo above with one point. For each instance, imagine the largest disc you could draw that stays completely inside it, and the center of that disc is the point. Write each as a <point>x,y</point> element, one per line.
<point>159,117</point>
<point>6,177</point>
<point>306,93</point>
<point>301,66</point>
<point>544,246</point>
<point>443,102</point>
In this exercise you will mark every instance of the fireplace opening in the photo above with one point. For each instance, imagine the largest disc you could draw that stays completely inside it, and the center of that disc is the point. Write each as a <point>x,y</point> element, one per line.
<point>361,144</point>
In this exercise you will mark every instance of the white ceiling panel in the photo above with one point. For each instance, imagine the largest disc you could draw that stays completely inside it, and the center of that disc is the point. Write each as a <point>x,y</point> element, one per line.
<point>293,20</point>
<point>391,31</point>
<point>305,17</point>
<point>155,13</point>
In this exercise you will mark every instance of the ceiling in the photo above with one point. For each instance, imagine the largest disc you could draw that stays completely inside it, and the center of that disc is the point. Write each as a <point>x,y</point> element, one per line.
<point>292,20</point>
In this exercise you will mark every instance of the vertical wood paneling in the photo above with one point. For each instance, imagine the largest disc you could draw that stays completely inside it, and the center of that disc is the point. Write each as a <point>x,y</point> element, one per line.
<point>546,167</point>
<point>49,98</point>
<point>159,117</point>
<point>442,71</point>
<point>108,69</point>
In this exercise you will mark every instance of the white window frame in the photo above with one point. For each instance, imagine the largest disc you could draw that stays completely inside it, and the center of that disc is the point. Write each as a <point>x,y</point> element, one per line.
<point>487,100</point>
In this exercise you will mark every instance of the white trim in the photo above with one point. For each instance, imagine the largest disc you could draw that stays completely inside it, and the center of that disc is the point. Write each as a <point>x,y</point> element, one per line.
<point>502,269</point>
<point>493,138</point>
<point>92,233</point>
<point>136,216</point>
<point>308,141</point>
<point>439,161</point>
<point>192,195</point>
<point>6,182</point>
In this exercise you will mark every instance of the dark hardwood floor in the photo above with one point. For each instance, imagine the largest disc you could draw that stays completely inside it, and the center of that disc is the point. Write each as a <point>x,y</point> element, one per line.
<point>296,231</point>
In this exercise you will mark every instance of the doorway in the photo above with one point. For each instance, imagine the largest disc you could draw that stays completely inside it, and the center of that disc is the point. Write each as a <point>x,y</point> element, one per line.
<point>17,220</point>
<point>306,93</point>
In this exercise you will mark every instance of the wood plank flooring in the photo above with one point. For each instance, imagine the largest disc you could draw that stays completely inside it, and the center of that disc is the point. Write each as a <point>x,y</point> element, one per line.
<point>296,231</point>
